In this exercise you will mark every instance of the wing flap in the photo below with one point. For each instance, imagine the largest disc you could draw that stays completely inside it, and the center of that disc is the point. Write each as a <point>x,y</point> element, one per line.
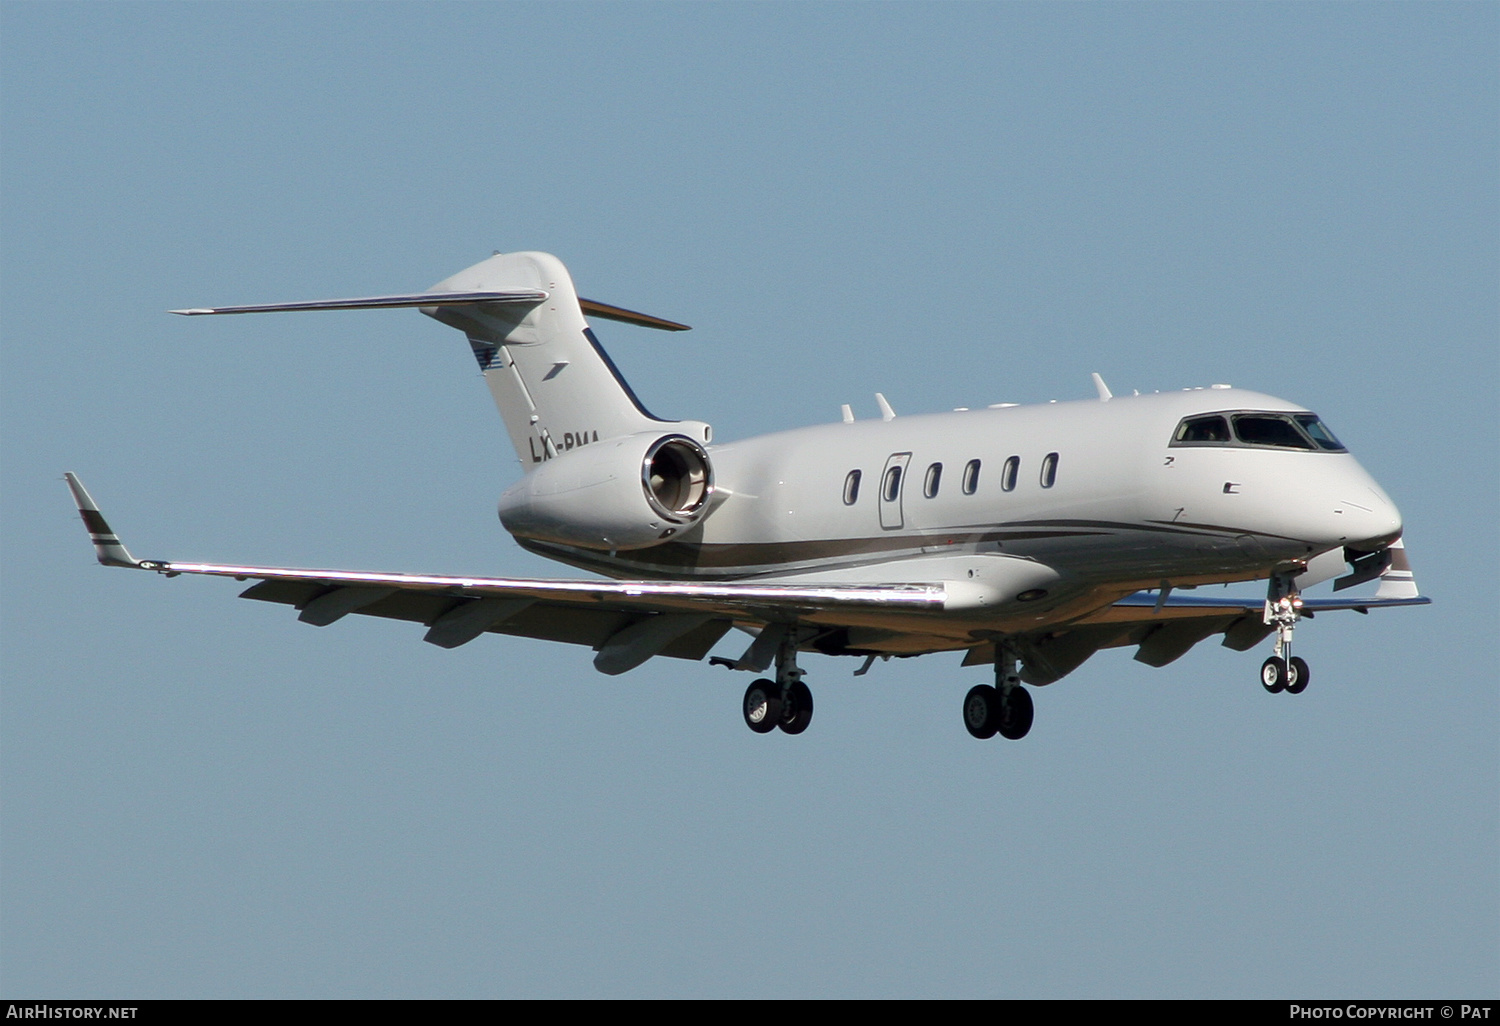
<point>452,622</point>
<point>676,619</point>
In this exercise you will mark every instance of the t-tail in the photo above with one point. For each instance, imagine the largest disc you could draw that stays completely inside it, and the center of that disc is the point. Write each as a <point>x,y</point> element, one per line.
<point>555,386</point>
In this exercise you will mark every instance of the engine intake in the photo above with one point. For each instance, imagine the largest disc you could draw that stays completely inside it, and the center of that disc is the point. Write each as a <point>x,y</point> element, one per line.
<point>624,493</point>
<point>677,476</point>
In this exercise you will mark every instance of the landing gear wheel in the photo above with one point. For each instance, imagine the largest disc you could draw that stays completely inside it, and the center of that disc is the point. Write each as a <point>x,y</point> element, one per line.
<point>1273,674</point>
<point>797,709</point>
<point>762,706</point>
<point>981,709</point>
<point>1016,714</point>
<point>1297,676</point>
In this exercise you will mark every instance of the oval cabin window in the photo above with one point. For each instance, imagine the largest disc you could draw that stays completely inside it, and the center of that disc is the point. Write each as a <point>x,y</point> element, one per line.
<point>851,488</point>
<point>1008,474</point>
<point>1049,470</point>
<point>971,477</point>
<point>934,478</point>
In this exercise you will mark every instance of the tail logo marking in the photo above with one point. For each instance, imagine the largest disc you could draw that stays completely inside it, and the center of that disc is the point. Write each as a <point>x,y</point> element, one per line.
<point>487,356</point>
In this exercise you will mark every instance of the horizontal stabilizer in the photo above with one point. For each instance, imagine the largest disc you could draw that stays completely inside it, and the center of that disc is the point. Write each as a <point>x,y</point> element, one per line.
<point>436,299</point>
<point>619,313</point>
<point>418,299</point>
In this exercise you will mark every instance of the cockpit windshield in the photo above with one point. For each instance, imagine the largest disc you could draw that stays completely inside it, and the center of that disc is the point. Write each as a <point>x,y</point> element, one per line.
<point>1259,430</point>
<point>1318,432</point>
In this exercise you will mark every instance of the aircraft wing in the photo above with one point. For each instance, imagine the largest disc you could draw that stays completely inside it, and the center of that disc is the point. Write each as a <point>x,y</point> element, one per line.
<point>626,622</point>
<point>1165,627</point>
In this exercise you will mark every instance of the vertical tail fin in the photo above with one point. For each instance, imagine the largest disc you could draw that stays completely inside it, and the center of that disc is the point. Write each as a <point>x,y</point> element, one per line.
<point>555,386</point>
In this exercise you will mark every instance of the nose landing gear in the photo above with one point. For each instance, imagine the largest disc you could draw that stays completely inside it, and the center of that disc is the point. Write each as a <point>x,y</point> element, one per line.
<point>1284,671</point>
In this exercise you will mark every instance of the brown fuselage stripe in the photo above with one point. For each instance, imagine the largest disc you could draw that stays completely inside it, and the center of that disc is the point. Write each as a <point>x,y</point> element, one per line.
<point>674,557</point>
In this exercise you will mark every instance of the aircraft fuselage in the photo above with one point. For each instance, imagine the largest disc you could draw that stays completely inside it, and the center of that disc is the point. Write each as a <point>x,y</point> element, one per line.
<point>1094,489</point>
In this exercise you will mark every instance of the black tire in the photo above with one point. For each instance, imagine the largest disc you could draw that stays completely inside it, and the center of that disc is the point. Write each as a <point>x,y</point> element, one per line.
<point>797,710</point>
<point>1273,674</point>
<point>1297,676</point>
<point>981,708</point>
<point>1016,714</point>
<point>762,706</point>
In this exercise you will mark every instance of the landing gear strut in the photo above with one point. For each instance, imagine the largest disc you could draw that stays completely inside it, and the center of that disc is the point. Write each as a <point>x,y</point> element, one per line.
<point>1284,671</point>
<point>1004,709</point>
<point>785,702</point>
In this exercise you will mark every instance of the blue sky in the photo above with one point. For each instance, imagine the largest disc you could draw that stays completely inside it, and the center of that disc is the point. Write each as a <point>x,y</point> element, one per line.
<point>952,204</point>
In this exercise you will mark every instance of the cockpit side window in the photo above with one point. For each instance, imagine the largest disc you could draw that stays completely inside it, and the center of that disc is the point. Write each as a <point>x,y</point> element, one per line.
<point>1202,431</point>
<point>1269,429</point>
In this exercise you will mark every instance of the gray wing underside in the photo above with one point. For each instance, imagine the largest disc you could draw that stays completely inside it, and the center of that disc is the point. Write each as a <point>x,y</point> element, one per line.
<point>626,622</point>
<point>1164,630</point>
<point>456,619</point>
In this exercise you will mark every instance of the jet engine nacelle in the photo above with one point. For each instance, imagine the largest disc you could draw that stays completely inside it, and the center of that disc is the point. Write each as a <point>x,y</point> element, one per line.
<point>631,492</point>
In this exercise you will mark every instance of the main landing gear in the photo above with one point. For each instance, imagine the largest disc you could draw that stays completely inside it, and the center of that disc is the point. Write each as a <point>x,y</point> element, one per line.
<point>1004,709</point>
<point>1284,671</point>
<point>785,702</point>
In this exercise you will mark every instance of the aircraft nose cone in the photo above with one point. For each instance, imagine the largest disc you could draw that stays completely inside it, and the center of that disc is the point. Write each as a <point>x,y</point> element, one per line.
<point>1373,522</point>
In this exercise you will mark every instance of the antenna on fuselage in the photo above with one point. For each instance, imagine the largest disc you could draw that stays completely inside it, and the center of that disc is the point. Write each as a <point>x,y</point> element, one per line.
<point>886,413</point>
<point>1104,393</point>
<point>848,412</point>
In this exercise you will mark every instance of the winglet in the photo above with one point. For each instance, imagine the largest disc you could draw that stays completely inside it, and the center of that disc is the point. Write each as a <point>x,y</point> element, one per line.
<point>1398,582</point>
<point>107,544</point>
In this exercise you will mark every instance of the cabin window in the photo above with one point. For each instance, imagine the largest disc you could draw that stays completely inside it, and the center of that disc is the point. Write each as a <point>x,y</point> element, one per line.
<point>1008,474</point>
<point>892,486</point>
<point>970,482</point>
<point>1049,470</point>
<point>851,488</point>
<point>934,478</point>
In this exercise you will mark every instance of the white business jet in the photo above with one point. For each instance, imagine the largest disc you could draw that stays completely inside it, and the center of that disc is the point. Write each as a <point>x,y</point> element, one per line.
<point>1027,537</point>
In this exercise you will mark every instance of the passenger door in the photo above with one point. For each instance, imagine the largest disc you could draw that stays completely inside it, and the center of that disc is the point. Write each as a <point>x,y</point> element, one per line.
<point>892,484</point>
